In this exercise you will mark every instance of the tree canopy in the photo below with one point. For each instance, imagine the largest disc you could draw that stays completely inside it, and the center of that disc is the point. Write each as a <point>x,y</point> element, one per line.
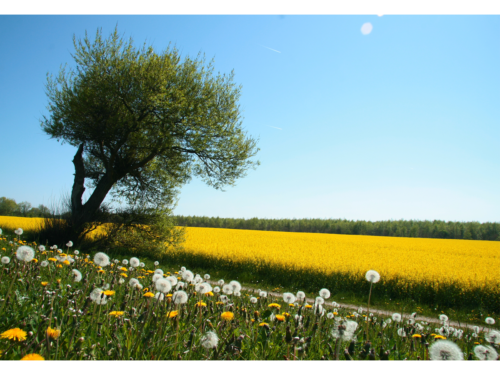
<point>144,123</point>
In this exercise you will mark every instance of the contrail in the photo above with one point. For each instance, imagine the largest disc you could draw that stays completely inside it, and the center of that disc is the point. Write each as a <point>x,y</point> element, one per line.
<point>269,48</point>
<point>274,127</point>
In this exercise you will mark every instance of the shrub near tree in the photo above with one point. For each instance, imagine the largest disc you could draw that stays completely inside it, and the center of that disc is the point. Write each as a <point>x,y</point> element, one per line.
<point>143,124</point>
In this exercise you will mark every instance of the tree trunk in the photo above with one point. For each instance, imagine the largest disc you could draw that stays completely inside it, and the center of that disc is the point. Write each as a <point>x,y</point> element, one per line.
<point>84,213</point>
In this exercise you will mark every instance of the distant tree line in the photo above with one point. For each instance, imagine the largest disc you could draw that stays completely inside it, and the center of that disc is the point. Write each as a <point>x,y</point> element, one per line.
<point>9,207</point>
<point>395,228</point>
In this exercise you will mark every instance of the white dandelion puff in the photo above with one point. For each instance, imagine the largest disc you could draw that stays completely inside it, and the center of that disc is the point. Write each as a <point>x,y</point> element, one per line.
<point>157,277</point>
<point>263,294</point>
<point>134,262</point>
<point>5,260</point>
<point>156,263</point>
<point>121,281</point>
<point>253,300</point>
<point>493,337</point>
<point>401,332</point>
<point>133,282</point>
<point>209,340</point>
<point>142,265</point>
<point>235,285</point>
<point>77,275</point>
<point>224,298</point>
<point>485,353</point>
<point>396,317</point>
<point>289,297</point>
<point>41,247</point>
<point>172,279</point>
<point>182,269</point>
<point>197,279</point>
<point>131,269</point>
<point>372,276</point>
<point>101,259</point>
<point>444,350</point>
<point>44,263</point>
<point>237,294</point>
<point>227,289</point>
<point>324,293</point>
<point>188,276</point>
<point>18,231</point>
<point>180,297</point>
<point>98,297</point>
<point>205,288</point>
<point>319,301</point>
<point>159,296</point>
<point>158,272</point>
<point>301,295</point>
<point>163,285</point>
<point>489,320</point>
<point>206,277</point>
<point>330,315</point>
<point>220,282</point>
<point>443,318</point>
<point>216,289</point>
<point>124,262</point>
<point>25,253</point>
<point>69,244</point>
<point>76,252</point>
<point>139,286</point>
<point>179,285</point>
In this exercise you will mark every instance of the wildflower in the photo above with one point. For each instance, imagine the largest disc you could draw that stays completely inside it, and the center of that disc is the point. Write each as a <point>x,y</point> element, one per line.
<point>116,313</point>
<point>125,275</point>
<point>142,265</point>
<point>324,293</point>
<point>372,276</point>
<point>235,285</point>
<point>203,288</point>
<point>220,282</point>
<point>163,285</point>
<point>109,293</point>
<point>489,320</point>
<point>197,279</point>
<point>183,269</point>
<point>308,306</point>
<point>216,289</point>
<point>131,269</point>
<point>76,252</point>
<point>14,334</point>
<point>172,314</point>
<point>280,318</point>
<point>263,294</point>
<point>125,262</point>
<point>132,282</point>
<point>101,271</point>
<point>45,283</point>
<point>493,337</point>
<point>227,315</point>
<point>160,296</point>
<point>53,333</point>
<point>416,336</point>
<point>121,280</point>
<point>445,351</point>
<point>401,332</point>
<point>443,318</point>
<point>330,315</point>
<point>179,297</point>
<point>200,304</point>
<point>209,340</point>
<point>187,276</point>
<point>33,357</point>
<point>134,262</point>
<point>289,298</point>
<point>179,285</point>
<point>98,297</point>
<point>77,275</point>
<point>253,300</point>
<point>5,260</point>
<point>301,295</point>
<point>227,289</point>
<point>149,294</point>
<point>485,353</point>
<point>319,301</point>
<point>69,244</point>
<point>396,317</point>
<point>101,259</point>
<point>18,231</point>
<point>41,248</point>
<point>274,305</point>
<point>265,325</point>
<point>172,280</point>
<point>25,253</point>
<point>157,277</point>
<point>67,262</point>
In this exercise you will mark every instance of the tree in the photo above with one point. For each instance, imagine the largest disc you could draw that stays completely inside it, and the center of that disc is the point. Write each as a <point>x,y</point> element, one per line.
<point>144,123</point>
<point>7,206</point>
<point>23,208</point>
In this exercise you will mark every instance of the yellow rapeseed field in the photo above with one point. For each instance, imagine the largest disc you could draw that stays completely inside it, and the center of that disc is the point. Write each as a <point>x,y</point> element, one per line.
<point>468,264</point>
<point>26,223</point>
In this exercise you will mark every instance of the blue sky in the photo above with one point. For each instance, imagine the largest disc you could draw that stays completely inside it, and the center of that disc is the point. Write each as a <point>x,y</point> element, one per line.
<point>400,123</point>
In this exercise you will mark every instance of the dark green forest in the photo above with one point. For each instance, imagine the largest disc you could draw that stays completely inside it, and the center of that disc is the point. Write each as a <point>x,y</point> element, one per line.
<point>394,228</point>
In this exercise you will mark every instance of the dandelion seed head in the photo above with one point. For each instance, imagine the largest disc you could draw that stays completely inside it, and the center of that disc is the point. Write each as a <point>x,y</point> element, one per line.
<point>44,263</point>
<point>98,297</point>
<point>401,332</point>
<point>41,247</point>
<point>289,297</point>
<point>263,294</point>
<point>324,293</point>
<point>142,265</point>
<point>319,301</point>
<point>205,288</point>
<point>157,277</point>
<point>163,285</point>
<point>134,262</point>
<point>209,340</point>
<point>372,276</point>
<point>156,263</point>
<point>179,285</point>
<point>235,285</point>
<point>330,315</point>
<point>18,231</point>
<point>77,275</point>
<point>227,289</point>
<point>159,296</point>
<point>5,260</point>
<point>158,272</point>
<point>444,350</point>
<point>301,295</point>
<point>443,318</point>
<point>237,294</point>
<point>220,282</point>
<point>396,317</point>
<point>489,320</point>
<point>253,300</point>
<point>206,277</point>
<point>179,297</point>
<point>25,253</point>
<point>172,279</point>
<point>493,337</point>
<point>124,262</point>
<point>485,353</point>
<point>133,282</point>
<point>101,259</point>
<point>188,276</point>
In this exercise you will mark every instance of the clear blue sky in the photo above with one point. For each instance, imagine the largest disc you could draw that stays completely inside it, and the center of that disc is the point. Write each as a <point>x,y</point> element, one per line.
<point>400,123</point>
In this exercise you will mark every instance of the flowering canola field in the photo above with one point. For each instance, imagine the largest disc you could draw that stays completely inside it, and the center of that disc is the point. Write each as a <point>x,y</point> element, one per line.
<point>419,267</point>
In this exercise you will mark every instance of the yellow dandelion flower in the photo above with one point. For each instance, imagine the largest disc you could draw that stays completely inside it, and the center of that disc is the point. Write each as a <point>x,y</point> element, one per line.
<point>59,266</point>
<point>211,294</point>
<point>116,313</point>
<point>263,325</point>
<point>123,269</point>
<point>179,278</point>
<point>200,304</point>
<point>34,260</point>
<point>45,283</point>
<point>33,357</point>
<point>145,290</point>
<point>280,318</point>
<point>53,333</point>
<point>101,271</point>
<point>227,315</point>
<point>109,292</point>
<point>124,275</point>
<point>219,303</point>
<point>308,307</point>
<point>286,314</point>
<point>14,334</point>
<point>58,280</point>
<point>66,262</point>
<point>416,336</point>
<point>149,294</point>
<point>172,314</point>
<point>275,305</point>
<point>291,305</point>
<point>253,320</point>
<point>52,259</point>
